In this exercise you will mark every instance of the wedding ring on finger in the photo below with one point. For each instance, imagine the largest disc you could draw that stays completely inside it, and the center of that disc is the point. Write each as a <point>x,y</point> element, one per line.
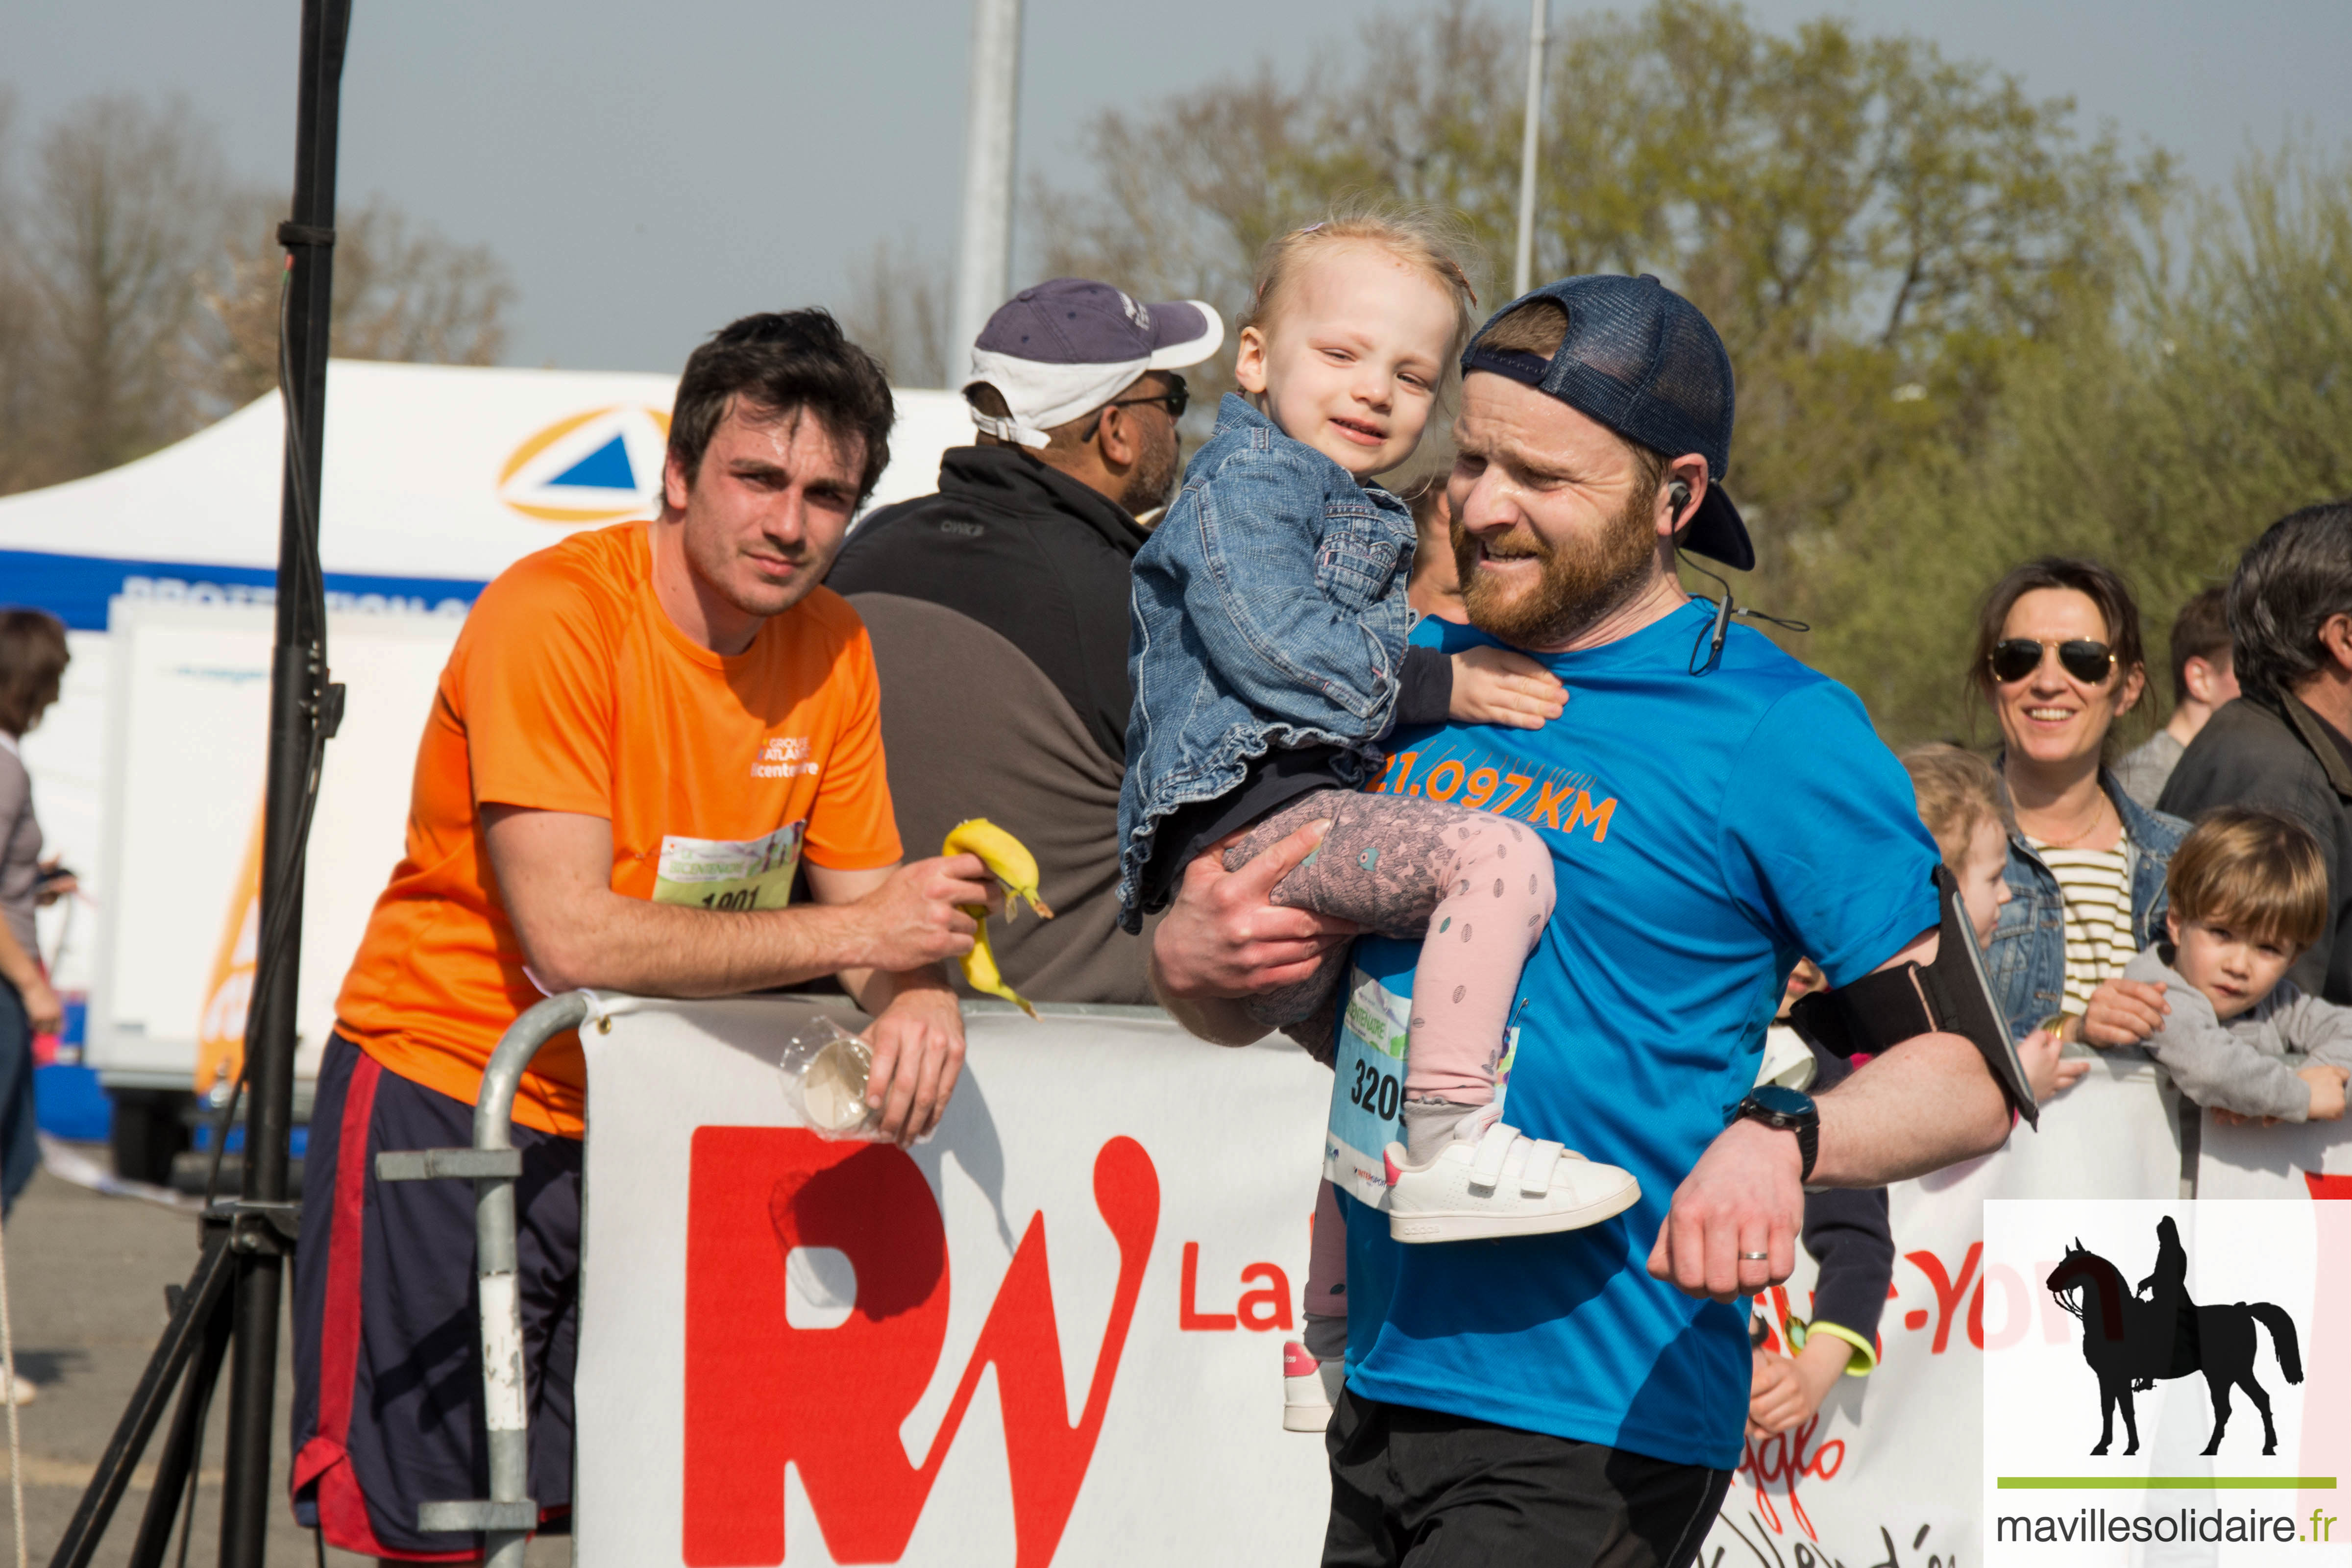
<point>1755,1257</point>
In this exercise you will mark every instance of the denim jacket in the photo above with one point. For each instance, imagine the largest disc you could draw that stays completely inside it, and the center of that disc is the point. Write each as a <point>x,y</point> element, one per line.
<point>2026,959</point>
<point>1269,610</point>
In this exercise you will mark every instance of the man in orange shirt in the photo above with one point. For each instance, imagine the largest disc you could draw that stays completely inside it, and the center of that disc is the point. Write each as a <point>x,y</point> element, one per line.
<point>640,735</point>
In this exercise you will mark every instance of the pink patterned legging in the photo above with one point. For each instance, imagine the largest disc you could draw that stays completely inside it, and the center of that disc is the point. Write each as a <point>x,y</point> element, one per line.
<point>1476,888</point>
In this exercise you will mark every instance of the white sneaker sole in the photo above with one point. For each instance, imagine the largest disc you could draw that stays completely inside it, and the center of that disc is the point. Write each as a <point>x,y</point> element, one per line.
<point>1305,1417</point>
<point>1307,1397</point>
<point>1471,1225</point>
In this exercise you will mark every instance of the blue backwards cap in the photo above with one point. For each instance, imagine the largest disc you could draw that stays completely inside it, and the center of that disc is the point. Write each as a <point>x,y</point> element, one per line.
<point>1643,361</point>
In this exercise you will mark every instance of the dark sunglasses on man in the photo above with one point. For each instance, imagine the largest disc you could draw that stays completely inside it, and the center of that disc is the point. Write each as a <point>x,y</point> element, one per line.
<point>1178,398</point>
<point>2014,659</point>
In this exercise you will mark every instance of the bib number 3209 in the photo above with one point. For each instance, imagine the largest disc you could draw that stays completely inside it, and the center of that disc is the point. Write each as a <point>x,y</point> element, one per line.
<point>1375,1088</point>
<point>1369,1088</point>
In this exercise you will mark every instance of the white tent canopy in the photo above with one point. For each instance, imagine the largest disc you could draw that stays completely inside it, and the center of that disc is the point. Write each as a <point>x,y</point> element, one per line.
<point>437,478</point>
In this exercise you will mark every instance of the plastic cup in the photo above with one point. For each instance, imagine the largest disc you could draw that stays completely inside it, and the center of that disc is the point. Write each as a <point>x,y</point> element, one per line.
<point>824,1069</point>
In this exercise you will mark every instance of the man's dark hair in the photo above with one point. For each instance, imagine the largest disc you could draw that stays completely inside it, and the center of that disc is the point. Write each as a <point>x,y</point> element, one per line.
<point>2201,630</point>
<point>32,662</point>
<point>2289,582</point>
<point>779,364</point>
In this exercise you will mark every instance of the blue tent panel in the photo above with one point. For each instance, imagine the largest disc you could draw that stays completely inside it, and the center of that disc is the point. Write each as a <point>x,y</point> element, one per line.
<point>75,588</point>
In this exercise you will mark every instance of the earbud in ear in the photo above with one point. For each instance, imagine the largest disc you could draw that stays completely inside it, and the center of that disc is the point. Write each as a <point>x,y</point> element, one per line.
<point>1679,494</point>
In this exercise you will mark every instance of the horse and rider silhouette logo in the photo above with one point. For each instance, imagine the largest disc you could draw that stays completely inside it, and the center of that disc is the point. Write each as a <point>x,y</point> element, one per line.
<point>2132,1338</point>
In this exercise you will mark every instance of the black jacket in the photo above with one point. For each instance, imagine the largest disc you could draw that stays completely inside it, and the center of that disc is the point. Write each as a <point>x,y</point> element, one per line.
<point>2275,752</point>
<point>1028,553</point>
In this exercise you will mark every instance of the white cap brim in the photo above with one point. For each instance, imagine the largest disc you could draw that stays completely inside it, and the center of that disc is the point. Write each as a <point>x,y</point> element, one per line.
<point>1193,350</point>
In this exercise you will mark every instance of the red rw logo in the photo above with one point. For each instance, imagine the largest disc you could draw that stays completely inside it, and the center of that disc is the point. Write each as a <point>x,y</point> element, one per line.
<point>760,1393</point>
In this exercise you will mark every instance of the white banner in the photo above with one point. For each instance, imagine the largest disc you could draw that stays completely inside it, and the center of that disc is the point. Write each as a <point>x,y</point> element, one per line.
<point>2306,1159</point>
<point>1052,1333</point>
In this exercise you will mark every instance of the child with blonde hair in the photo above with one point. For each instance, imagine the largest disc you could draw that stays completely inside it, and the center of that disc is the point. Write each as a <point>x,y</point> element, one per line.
<point>1268,660</point>
<point>1965,808</point>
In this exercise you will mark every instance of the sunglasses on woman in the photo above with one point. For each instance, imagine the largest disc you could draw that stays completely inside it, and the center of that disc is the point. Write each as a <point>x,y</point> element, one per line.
<point>2014,659</point>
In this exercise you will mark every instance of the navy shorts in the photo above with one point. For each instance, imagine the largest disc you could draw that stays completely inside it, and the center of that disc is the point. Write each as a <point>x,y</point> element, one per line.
<point>387,1344</point>
<point>1415,1488</point>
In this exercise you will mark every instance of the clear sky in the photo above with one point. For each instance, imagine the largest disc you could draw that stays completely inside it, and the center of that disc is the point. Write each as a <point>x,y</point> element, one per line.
<point>650,172</point>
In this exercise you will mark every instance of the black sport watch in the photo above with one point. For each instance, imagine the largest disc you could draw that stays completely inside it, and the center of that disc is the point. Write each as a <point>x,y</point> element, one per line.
<point>1786,1111</point>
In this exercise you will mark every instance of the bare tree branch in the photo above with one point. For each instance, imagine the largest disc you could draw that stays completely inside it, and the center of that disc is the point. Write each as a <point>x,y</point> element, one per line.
<point>897,310</point>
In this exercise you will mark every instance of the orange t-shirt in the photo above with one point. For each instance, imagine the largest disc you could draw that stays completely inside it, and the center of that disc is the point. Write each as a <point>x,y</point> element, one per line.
<point>569,690</point>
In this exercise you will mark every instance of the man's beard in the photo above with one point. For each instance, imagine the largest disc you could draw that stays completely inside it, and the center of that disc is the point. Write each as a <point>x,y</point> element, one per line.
<point>1154,480</point>
<point>1579,582</point>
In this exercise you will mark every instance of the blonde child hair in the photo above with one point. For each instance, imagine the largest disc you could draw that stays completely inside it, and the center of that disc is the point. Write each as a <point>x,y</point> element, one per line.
<point>1432,239</point>
<point>2258,873</point>
<point>1958,790</point>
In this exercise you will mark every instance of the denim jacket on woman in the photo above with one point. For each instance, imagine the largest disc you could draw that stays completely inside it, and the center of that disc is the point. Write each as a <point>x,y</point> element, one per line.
<point>2026,959</point>
<point>1269,610</point>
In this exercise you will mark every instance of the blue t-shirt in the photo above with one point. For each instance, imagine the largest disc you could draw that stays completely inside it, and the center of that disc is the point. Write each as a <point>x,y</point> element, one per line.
<point>1705,832</point>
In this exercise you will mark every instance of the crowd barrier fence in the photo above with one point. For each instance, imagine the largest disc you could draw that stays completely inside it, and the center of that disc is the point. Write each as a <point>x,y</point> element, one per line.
<point>1051,1332</point>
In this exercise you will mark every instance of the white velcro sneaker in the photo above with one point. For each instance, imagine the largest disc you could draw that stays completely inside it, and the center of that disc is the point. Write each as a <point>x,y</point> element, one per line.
<point>1504,1184</point>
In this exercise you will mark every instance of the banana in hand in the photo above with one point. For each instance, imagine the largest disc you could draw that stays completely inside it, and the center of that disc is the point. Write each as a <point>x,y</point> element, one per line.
<point>1009,861</point>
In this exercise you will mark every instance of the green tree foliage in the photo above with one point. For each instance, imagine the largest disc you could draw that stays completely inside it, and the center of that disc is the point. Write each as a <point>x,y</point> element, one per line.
<point>2160,434</point>
<point>1946,305</point>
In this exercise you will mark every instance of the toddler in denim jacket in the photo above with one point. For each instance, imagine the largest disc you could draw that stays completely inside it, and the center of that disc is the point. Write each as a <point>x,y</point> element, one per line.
<point>1269,662</point>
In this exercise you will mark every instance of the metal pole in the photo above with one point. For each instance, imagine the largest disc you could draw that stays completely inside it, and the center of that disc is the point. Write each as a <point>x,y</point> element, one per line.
<point>506,1517</point>
<point>503,1382</point>
<point>1522,257</point>
<point>984,257</point>
<point>298,714</point>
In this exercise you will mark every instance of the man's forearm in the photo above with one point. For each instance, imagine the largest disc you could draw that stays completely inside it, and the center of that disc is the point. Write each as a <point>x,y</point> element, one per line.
<point>1927,1103</point>
<point>1221,1020</point>
<point>620,944</point>
<point>876,989</point>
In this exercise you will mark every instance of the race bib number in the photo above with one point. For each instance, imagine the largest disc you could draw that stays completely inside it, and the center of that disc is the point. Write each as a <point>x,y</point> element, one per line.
<point>730,874</point>
<point>1368,1091</point>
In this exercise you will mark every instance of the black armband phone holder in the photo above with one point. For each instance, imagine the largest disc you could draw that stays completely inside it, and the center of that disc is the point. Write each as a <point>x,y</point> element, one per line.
<point>1951,996</point>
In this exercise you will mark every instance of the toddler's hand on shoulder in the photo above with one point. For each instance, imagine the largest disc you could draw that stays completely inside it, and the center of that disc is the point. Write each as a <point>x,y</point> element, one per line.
<point>1496,686</point>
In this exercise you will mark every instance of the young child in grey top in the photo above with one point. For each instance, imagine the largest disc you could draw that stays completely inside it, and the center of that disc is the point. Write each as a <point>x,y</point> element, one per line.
<point>2248,893</point>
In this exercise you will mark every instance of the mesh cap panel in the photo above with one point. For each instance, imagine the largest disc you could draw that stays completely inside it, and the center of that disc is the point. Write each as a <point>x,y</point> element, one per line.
<point>1643,361</point>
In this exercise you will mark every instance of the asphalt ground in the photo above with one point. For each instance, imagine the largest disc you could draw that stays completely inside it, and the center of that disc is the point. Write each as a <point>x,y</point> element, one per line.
<point>85,1278</point>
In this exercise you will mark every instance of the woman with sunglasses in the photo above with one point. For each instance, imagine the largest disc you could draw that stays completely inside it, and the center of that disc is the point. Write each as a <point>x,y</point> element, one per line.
<point>2058,658</point>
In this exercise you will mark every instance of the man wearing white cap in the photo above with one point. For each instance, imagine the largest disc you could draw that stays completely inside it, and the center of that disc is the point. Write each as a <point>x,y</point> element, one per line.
<point>998,607</point>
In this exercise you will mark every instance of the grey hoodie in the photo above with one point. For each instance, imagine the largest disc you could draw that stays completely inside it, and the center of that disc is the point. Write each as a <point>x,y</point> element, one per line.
<point>2241,1064</point>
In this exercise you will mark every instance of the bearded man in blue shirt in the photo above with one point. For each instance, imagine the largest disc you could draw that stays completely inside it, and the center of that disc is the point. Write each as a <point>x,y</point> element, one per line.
<point>1715,810</point>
